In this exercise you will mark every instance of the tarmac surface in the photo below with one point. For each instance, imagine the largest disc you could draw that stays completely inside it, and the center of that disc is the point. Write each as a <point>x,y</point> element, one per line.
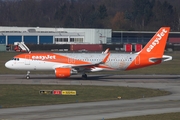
<point>98,110</point>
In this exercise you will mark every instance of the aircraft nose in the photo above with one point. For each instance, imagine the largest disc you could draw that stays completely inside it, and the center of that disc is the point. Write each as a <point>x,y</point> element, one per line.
<point>8,65</point>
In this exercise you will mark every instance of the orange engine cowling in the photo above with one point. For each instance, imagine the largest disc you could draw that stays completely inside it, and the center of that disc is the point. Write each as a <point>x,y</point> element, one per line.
<point>63,72</point>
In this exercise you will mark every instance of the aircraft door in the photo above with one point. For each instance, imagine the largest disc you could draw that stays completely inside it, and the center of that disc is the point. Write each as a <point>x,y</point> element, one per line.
<point>27,60</point>
<point>71,60</point>
<point>137,60</point>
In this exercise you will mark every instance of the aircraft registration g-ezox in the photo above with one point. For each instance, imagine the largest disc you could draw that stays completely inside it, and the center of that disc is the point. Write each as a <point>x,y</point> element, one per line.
<point>67,64</point>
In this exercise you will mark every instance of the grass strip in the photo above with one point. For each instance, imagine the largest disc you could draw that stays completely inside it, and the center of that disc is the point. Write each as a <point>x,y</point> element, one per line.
<point>28,95</point>
<point>166,116</point>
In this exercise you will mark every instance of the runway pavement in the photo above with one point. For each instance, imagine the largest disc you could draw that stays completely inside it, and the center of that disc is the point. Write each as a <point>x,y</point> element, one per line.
<point>98,110</point>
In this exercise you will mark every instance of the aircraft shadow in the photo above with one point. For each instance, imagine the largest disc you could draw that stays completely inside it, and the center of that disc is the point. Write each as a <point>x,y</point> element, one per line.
<point>105,77</point>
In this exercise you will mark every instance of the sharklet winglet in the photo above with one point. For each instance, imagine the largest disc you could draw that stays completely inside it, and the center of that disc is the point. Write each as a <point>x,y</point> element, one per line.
<point>105,59</point>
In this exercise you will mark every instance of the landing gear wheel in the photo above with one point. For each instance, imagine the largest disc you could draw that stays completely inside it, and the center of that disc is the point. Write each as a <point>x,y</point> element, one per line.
<point>84,76</point>
<point>27,77</point>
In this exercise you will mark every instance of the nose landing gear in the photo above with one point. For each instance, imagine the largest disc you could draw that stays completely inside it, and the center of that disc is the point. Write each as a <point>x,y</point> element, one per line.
<point>28,76</point>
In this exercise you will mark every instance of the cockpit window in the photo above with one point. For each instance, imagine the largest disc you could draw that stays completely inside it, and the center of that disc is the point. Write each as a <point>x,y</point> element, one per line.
<point>16,59</point>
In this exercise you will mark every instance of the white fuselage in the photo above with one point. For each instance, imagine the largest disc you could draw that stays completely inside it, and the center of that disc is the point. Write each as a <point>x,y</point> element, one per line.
<point>115,61</point>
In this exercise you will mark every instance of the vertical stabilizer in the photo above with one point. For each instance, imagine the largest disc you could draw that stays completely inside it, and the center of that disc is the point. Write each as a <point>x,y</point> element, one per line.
<point>153,52</point>
<point>157,44</point>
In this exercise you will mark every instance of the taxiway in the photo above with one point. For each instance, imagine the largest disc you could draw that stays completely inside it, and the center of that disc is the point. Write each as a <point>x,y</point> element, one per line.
<point>98,110</point>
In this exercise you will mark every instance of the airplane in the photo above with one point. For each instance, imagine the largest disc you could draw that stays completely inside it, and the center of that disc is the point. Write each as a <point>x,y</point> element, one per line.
<point>67,64</point>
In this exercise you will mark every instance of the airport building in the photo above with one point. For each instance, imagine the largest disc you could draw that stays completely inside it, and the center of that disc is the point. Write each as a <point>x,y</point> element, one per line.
<point>40,38</point>
<point>38,35</point>
<point>141,37</point>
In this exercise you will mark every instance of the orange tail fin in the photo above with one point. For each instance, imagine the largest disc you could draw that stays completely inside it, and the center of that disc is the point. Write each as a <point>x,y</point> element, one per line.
<point>158,42</point>
<point>153,52</point>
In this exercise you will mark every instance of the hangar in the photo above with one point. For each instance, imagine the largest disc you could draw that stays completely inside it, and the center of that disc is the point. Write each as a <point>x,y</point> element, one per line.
<point>38,35</point>
<point>142,37</point>
<point>61,36</point>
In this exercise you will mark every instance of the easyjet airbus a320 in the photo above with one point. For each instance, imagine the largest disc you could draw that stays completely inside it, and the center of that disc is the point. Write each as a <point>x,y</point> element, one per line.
<point>67,64</point>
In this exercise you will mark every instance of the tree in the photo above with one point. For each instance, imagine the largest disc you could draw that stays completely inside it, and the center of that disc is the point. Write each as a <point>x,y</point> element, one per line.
<point>102,11</point>
<point>141,13</point>
<point>116,14</point>
<point>119,22</point>
<point>164,15</point>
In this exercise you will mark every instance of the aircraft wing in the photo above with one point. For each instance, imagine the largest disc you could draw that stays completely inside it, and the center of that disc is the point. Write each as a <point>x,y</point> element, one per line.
<point>86,67</point>
<point>92,65</point>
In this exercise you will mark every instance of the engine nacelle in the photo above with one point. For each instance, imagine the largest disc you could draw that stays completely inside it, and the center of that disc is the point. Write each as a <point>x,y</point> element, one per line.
<point>63,72</point>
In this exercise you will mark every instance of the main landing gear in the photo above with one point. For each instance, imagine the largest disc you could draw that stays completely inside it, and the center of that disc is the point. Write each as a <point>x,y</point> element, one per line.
<point>28,76</point>
<point>84,76</point>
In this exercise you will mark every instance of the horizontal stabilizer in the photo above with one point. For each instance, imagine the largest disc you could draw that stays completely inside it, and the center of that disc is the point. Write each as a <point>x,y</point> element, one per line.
<point>163,59</point>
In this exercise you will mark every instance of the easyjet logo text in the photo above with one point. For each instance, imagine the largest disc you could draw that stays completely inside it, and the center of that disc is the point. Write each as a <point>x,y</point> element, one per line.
<point>157,40</point>
<point>43,57</point>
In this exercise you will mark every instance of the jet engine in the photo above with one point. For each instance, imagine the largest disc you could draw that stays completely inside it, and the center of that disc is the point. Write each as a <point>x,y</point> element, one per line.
<point>63,72</point>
